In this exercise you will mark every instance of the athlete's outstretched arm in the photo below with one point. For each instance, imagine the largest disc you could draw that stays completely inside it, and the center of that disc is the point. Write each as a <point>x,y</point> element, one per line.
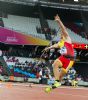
<point>63,28</point>
<point>51,47</point>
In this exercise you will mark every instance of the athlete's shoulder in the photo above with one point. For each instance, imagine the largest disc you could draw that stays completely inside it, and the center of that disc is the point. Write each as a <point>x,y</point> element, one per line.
<point>61,43</point>
<point>68,40</point>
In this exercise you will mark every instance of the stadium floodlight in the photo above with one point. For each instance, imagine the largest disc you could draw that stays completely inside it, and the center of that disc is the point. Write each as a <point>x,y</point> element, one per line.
<point>76,0</point>
<point>63,0</point>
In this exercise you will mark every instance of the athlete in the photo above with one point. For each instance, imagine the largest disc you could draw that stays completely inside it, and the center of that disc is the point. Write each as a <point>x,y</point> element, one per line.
<point>66,60</point>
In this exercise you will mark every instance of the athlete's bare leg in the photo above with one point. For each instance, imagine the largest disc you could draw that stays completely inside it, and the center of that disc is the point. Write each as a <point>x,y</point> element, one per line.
<point>57,63</point>
<point>61,74</point>
<point>57,74</point>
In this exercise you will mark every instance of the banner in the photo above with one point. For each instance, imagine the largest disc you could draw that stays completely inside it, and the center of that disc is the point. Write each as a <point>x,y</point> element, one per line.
<point>80,46</point>
<point>8,36</point>
<point>24,73</point>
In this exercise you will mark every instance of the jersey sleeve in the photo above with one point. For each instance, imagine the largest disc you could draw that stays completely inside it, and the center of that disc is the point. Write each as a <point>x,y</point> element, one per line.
<point>61,44</point>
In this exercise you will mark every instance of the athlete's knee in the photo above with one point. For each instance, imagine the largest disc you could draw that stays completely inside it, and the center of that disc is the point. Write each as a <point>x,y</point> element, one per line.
<point>56,64</point>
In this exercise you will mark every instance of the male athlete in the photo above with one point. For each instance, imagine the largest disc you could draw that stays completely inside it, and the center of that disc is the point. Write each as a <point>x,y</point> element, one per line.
<point>66,59</point>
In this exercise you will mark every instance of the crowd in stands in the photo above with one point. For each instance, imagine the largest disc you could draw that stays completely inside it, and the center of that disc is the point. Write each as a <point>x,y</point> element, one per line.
<point>24,68</point>
<point>46,31</point>
<point>38,69</point>
<point>21,51</point>
<point>32,67</point>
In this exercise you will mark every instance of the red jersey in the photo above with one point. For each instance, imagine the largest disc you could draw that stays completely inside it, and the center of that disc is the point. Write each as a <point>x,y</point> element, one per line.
<point>66,49</point>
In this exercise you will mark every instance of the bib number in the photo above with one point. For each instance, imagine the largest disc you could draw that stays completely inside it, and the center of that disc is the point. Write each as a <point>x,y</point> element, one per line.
<point>63,50</point>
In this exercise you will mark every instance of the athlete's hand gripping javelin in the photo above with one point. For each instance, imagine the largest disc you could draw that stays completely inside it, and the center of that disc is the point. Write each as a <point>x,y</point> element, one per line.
<point>46,49</point>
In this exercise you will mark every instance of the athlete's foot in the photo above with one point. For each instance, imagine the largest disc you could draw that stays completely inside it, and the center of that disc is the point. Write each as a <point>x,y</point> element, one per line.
<point>55,85</point>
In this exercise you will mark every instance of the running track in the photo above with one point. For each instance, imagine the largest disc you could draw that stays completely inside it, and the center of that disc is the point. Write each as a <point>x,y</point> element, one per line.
<point>21,91</point>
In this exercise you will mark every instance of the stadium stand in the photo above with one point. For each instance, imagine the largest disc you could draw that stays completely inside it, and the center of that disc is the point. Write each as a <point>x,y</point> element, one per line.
<point>28,25</point>
<point>75,37</point>
<point>25,25</point>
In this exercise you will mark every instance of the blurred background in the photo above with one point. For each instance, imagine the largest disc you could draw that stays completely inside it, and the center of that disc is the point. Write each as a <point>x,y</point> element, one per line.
<point>28,26</point>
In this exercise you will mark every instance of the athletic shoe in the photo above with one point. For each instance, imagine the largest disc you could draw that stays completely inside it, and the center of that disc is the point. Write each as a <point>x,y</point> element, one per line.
<point>55,85</point>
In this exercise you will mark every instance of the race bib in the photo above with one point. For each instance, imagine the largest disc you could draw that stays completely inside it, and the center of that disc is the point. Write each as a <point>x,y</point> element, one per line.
<point>63,50</point>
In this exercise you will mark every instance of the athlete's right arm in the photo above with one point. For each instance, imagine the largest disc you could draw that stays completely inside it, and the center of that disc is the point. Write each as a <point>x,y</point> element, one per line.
<point>51,47</point>
<point>60,44</point>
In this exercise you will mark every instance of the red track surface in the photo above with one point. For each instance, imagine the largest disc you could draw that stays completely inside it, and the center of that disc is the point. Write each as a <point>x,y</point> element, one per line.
<point>36,92</point>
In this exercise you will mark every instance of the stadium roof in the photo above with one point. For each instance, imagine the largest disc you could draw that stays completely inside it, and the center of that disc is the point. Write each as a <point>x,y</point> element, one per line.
<point>64,4</point>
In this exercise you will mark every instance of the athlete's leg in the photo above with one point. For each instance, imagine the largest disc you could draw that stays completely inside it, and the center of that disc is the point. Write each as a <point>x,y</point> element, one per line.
<point>65,69</point>
<point>61,74</point>
<point>57,63</point>
<point>66,64</point>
